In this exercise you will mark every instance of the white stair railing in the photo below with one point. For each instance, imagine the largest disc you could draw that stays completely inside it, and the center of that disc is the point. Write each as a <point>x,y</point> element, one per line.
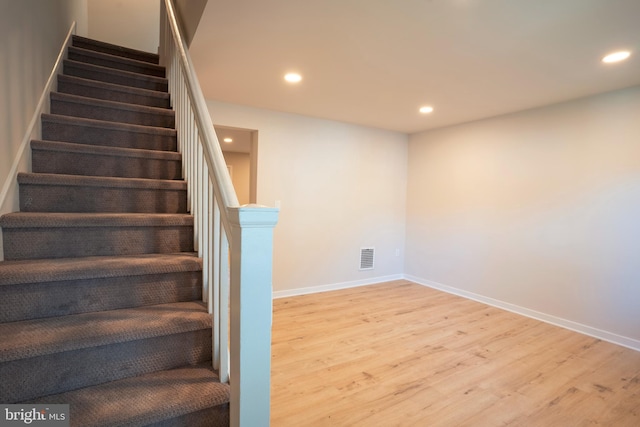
<point>235,242</point>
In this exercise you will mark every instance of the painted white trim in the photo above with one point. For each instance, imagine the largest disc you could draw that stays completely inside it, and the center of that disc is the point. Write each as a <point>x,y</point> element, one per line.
<point>40,108</point>
<point>335,286</point>
<point>547,318</point>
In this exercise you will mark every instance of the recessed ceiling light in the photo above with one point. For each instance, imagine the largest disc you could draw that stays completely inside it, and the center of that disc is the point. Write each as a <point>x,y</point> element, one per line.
<point>228,140</point>
<point>616,56</point>
<point>292,77</point>
<point>426,109</point>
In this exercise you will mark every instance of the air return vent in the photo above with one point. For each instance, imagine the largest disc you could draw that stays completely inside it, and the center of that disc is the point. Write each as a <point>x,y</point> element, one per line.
<point>366,258</point>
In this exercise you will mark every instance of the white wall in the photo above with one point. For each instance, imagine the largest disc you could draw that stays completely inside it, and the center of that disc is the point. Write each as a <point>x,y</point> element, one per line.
<point>539,210</point>
<point>340,186</point>
<point>32,33</point>
<point>78,11</point>
<point>130,23</point>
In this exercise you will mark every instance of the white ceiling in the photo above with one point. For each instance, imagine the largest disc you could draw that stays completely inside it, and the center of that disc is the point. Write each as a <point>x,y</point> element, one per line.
<point>374,62</point>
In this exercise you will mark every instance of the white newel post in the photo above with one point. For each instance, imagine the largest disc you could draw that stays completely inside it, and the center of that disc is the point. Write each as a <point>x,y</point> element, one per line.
<point>251,314</point>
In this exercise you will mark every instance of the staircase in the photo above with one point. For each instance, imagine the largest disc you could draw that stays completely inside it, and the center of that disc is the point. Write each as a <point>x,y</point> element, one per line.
<point>101,293</point>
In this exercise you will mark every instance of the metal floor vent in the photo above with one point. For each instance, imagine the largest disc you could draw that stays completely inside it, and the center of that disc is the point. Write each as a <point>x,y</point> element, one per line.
<point>366,258</point>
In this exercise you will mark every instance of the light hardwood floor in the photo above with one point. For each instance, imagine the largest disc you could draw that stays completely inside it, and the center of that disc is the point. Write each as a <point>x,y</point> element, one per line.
<point>400,354</point>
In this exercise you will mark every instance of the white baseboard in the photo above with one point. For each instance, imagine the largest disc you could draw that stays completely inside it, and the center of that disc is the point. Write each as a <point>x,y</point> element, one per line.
<point>335,286</point>
<point>557,321</point>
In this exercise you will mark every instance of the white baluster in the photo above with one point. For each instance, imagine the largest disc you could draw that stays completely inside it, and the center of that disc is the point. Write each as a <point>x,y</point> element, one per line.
<point>234,242</point>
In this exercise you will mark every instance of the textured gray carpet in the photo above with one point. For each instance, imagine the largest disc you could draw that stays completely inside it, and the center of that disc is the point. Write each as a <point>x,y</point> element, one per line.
<point>98,46</point>
<point>28,235</point>
<point>30,338</point>
<point>99,109</point>
<point>83,159</point>
<point>100,296</point>
<point>42,192</point>
<point>33,289</point>
<point>148,399</point>
<point>118,62</point>
<point>32,271</point>
<point>111,92</point>
<point>94,348</point>
<point>98,133</point>
<point>109,75</point>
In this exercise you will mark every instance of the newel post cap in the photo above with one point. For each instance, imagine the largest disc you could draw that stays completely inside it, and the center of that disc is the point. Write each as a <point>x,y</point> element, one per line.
<point>253,216</point>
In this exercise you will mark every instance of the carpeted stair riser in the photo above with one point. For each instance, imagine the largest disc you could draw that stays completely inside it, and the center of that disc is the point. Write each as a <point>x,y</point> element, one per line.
<point>218,416</point>
<point>52,287</point>
<point>20,244</point>
<point>70,370</point>
<point>167,395</point>
<point>112,92</point>
<point>36,271</point>
<point>112,134</point>
<point>66,193</point>
<point>119,77</point>
<point>128,337</point>
<point>78,159</point>
<point>61,298</point>
<point>40,337</point>
<point>35,236</point>
<point>116,62</point>
<point>111,49</point>
<point>89,108</point>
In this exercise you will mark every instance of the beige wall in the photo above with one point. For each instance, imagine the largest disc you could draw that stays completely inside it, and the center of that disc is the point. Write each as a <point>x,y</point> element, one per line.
<point>340,186</point>
<point>130,23</point>
<point>189,13</point>
<point>32,33</point>
<point>539,209</point>
<point>241,172</point>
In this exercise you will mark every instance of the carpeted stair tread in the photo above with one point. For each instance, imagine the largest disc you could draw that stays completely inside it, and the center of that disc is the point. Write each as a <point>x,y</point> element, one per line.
<point>99,181</point>
<point>38,337</point>
<point>54,192</point>
<point>114,61</point>
<point>113,49</point>
<point>92,108</point>
<point>63,220</point>
<point>146,399</point>
<point>33,289</point>
<point>36,235</point>
<point>33,377</point>
<point>97,160</point>
<point>93,132</point>
<point>109,75</point>
<point>112,92</point>
<point>50,270</point>
<point>217,416</point>
<point>104,150</point>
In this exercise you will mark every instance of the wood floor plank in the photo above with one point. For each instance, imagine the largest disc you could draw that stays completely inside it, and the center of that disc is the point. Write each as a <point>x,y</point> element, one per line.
<point>400,354</point>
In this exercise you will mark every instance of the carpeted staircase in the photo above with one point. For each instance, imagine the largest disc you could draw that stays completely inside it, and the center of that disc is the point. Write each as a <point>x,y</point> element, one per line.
<point>100,293</point>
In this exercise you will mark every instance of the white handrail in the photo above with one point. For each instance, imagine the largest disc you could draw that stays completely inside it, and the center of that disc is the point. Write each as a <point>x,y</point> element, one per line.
<point>235,243</point>
<point>213,153</point>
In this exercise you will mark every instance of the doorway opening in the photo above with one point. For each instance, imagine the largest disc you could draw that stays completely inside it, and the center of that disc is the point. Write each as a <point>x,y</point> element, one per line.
<point>240,150</point>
